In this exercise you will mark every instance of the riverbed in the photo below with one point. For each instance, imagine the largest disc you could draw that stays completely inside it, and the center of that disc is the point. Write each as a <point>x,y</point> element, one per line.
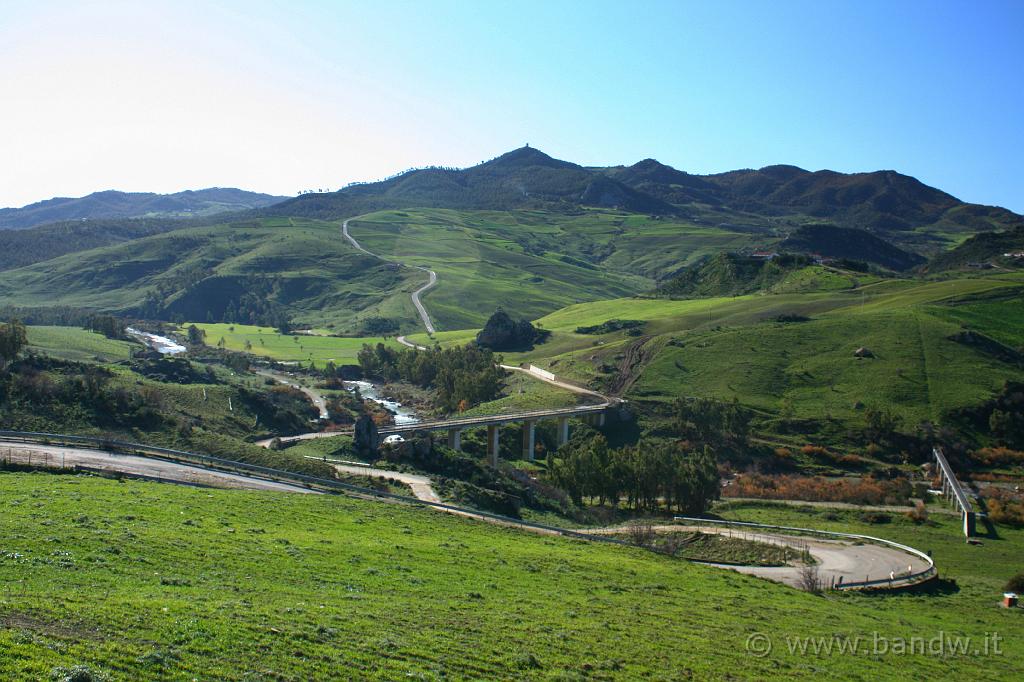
<point>403,415</point>
<point>160,344</point>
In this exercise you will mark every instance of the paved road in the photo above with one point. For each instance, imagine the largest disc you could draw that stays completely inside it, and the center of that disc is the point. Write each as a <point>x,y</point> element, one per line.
<point>57,456</point>
<point>405,342</point>
<point>432,280</point>
<point>836,559</point>
<point>317,398</point>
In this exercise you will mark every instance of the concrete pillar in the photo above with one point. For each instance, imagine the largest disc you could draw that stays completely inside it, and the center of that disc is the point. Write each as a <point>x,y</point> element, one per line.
<point>455,439</point>
<point>492,444</point>
<point>529,438</point>
<point>600,418</point>
<point>563,431</point>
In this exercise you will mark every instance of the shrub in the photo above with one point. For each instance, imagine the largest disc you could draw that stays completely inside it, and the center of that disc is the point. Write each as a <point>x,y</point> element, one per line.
<point>918,514</point>
<point>1016,584</point>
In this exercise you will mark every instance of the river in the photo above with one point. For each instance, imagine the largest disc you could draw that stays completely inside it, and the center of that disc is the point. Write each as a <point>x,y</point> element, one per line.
<point>161,344</point>
<point>370,391</point>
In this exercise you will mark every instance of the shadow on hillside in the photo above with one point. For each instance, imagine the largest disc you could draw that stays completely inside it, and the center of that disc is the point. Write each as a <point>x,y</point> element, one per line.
<point>940,587</point>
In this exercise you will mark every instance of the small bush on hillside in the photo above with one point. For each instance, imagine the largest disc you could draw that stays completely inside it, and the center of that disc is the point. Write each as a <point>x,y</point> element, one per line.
<point>1016,584</point>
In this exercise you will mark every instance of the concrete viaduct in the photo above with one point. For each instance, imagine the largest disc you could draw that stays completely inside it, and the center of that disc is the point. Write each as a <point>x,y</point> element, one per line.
<point>594,414</point>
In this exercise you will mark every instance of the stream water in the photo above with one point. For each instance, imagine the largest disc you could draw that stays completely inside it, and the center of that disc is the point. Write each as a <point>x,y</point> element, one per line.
<point>370,391</point>
<point>161,344</point>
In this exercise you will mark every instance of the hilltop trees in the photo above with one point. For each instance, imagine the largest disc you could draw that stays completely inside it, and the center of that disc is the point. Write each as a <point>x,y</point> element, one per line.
<point>502,333</point>
<point>646,475</point>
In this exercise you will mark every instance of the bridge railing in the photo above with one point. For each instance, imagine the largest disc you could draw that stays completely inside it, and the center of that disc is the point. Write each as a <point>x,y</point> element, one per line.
<point>960,499</point>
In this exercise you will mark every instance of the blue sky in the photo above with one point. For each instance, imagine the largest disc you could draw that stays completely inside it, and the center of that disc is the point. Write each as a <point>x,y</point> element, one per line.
<point>281,97</point>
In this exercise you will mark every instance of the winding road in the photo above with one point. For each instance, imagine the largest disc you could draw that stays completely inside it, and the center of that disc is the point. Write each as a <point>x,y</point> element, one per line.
<point>431,280</point>
<point>837,560</point>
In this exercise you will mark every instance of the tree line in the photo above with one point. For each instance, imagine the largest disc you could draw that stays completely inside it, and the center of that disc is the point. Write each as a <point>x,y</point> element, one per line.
<point>460,376</point>
<point>647,476</point>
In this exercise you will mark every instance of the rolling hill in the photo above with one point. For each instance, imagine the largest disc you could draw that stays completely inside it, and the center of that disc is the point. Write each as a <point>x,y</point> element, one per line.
<point>112,204</point>
<point>896,207</point>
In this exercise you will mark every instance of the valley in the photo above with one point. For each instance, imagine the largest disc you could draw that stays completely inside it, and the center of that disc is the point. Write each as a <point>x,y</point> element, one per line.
<point>688,355</point>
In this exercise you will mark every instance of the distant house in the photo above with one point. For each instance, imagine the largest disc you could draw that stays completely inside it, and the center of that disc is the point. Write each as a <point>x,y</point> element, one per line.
<point>980,266</point>
<point>764,255</point>
<point>822,260</point>
<point>1017,254</point>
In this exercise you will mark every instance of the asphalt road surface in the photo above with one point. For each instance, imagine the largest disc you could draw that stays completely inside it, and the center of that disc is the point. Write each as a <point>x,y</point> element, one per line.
<point>61,456</point>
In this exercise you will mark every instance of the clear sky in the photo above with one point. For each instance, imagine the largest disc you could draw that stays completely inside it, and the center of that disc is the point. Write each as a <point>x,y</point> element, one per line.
<point>280,97</point>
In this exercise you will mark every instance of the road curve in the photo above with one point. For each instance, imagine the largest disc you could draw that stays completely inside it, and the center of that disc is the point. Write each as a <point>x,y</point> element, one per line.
<point>431,281</point>
<point>422,488</point>
<point>836,559</point>
<point>55,456</point>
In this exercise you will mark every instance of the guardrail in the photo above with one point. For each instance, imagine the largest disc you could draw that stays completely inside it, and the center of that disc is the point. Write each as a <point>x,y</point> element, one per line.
<point>902,581</point>
<point>233,466</point>
<point>951,485</point>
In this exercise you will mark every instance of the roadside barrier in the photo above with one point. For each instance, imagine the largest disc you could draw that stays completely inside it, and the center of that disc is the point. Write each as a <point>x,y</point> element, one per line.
<point>268,473</point>
<point>905,580</point>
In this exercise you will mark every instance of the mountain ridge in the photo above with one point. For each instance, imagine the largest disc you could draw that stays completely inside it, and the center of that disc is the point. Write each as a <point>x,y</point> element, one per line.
<point>885,202</point>
<point>114,204</point>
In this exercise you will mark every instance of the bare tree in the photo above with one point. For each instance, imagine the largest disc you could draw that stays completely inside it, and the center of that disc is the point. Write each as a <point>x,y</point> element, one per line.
<point>641,533</point>
<point>810,579</point>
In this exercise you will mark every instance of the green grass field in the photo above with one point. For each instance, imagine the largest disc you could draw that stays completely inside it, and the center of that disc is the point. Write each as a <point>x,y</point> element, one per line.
<point>152,581</point>
<point>302,266</point>
<point>73,343</point>
<point>734,347</point>
<point>303,348</point>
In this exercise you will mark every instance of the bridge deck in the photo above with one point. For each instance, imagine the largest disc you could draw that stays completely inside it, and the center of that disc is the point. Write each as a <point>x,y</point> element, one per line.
<point>470,422</point>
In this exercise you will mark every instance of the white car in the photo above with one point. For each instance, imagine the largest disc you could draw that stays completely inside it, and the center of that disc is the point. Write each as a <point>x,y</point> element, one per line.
<point>393,438</point>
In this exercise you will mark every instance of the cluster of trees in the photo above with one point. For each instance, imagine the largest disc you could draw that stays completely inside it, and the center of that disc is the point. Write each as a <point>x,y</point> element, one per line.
<point>705,421</point>
<point>502,333</point>
<point>44,391</point>
<point>461,376</point>
<point>110,326</point>
<point>1001,418</point>
<point>13,338</point>
<point>648,476</point>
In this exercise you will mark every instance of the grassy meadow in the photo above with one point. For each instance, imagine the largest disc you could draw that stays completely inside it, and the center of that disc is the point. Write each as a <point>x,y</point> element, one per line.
<point>152,581</point>
<point>754,349</point>
<point>302,348</point>
<point>74,343</point>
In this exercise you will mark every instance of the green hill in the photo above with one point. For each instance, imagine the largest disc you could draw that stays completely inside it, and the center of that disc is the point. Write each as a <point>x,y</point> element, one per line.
<point>118,205</point>
<point>845,242</point>
<point>249,272</point>
<point>985,247</point>
<point>895,207</point>
<point>165,582</point>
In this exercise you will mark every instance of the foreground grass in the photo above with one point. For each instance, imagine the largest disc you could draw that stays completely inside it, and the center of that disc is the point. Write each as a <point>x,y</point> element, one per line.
<point>150,581</point>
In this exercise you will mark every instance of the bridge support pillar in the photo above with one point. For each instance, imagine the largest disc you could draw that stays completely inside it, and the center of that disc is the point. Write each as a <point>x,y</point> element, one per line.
<point>563,431</point>
<point>455,439</point>
<point>529,439</point>
<point>492,444</point>
<point>599,419</point>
